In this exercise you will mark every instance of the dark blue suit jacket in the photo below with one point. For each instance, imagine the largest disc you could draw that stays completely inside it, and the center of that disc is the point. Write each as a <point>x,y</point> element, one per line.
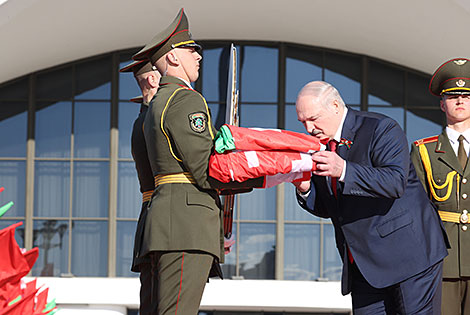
<point>382,212</point>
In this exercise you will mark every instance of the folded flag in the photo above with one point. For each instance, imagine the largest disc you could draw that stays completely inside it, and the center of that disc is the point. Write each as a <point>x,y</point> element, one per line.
<point>277,155</point>
<point>258,139</point>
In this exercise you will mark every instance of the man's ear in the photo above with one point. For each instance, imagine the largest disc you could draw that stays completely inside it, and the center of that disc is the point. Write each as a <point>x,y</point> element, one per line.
<point>153,80</point>
<point>172,58</point>
<point>336,106</point>
<point>442,104</point>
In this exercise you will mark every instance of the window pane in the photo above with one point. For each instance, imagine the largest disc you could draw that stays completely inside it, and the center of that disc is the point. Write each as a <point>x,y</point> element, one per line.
<point>215,73</point>
<point>92,130</point>
<point>52,188</point>
<point>344,73</point>
<point>93,79</point>
<point>302,252</point>
<point>55,84</point>
<point>19,233</point>
<point>90,248</point>
<point>332,264</point>
<point>128,113</point>
<point>257,243</point>
<point>260,204</point>
<point>259,74</point>
<point>385,84</point>
<point>53,129</point>
<point>292,210</point>
<point>125,248</point>
<point>129,201</point>
<point>292,123</point>
<point>418,92</point>
<point>423,123</point>
<point>128,87</point>
<point>302,66</point>
<point>15,90</point>
<point>52,239</point>
<point>13,122</point>
<point>229,266</point>
<point>397,113</point>
<point>217,113</point>
<point>13,179</point>
<point>90,189</point>
<point>256,115</point>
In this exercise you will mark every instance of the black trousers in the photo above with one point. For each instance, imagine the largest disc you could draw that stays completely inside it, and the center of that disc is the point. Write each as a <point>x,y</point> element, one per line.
<point>146,280</point>
<point>179,281</point>
<point>420,294</point>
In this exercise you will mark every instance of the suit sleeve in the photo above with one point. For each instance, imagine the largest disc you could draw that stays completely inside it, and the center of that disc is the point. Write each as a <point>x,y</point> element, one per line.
<point>311,203</point>
<point>386,175</point>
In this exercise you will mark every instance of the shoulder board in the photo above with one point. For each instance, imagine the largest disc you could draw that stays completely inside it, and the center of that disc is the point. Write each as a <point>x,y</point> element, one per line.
<point>426,140</point>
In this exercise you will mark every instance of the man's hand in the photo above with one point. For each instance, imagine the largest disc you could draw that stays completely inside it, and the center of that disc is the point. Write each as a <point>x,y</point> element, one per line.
<point>328,164</point>
<point>228,242</point>
<point>302,186</point>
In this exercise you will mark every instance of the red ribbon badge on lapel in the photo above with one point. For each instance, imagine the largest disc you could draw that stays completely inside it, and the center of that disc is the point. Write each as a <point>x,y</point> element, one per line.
<point>345,142</point>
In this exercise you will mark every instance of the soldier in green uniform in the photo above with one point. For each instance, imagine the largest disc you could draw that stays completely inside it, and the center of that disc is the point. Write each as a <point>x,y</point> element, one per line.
<point>183,232</point>
<point>441,164</point>
<point>147,79</point>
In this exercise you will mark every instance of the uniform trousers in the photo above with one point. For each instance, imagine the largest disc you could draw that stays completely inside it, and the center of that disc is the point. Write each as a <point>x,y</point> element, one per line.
<point>420,294</point>
<point>456,296</point>
<point>180,278</point>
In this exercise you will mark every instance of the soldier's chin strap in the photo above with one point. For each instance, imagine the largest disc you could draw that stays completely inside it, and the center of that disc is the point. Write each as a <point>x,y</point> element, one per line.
<point>432,184</point>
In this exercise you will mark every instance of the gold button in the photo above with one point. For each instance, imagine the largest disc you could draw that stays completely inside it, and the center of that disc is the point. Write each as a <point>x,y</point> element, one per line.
<point>464,196</point>
<point>464,217</point>
<point>464,228</point>
<point>464,181</point>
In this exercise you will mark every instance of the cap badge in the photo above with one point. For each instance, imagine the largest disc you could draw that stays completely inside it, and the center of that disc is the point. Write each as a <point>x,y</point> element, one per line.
<point>460,83</point>
<point>460,62</point>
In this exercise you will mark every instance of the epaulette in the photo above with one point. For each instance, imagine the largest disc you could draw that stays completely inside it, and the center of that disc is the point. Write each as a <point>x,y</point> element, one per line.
<point>426,140</point>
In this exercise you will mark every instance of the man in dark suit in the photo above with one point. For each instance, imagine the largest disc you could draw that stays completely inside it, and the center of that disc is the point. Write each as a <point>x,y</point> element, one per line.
<point>147,78</point>
<point>387,232</point>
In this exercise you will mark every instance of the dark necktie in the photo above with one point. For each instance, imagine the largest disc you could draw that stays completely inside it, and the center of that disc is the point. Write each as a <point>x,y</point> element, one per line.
<point>333,144</point>
<point>461,155</point>
<point>334,180</point>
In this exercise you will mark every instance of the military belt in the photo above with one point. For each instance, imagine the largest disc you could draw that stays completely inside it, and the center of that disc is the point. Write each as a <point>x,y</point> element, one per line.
<point>454,217</point>
<point>147,195</point>
<point>184,178</point>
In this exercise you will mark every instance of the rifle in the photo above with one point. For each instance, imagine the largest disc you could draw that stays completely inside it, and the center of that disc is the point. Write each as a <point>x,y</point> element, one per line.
<point>231,118</point>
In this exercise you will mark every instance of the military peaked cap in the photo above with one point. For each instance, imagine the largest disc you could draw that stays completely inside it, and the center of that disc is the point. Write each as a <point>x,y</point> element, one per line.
<point>138,67</point>
<point>452,77</point>
<point>137,99</point>
<point>176,35</point>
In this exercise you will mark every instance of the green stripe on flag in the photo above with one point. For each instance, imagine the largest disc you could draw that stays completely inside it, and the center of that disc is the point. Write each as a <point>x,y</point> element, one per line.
<point>224,140</point>
<point>5,208</point>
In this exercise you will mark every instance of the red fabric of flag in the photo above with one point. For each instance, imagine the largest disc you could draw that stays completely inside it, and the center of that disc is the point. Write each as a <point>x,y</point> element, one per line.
<point>13,264</point>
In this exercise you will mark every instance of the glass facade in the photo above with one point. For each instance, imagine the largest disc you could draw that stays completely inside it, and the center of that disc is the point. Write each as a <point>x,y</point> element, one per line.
<point>65,156</point>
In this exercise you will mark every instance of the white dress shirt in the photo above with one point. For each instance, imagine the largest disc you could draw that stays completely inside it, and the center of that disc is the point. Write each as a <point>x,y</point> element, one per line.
<point>453,135</point>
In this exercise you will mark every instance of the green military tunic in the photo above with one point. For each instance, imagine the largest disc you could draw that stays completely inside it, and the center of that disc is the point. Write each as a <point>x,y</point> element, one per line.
<point>179,136</point>
<point>450,192</point>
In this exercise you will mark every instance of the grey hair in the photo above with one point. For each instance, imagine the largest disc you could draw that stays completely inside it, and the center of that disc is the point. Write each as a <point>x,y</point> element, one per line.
<point>323,92</point>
